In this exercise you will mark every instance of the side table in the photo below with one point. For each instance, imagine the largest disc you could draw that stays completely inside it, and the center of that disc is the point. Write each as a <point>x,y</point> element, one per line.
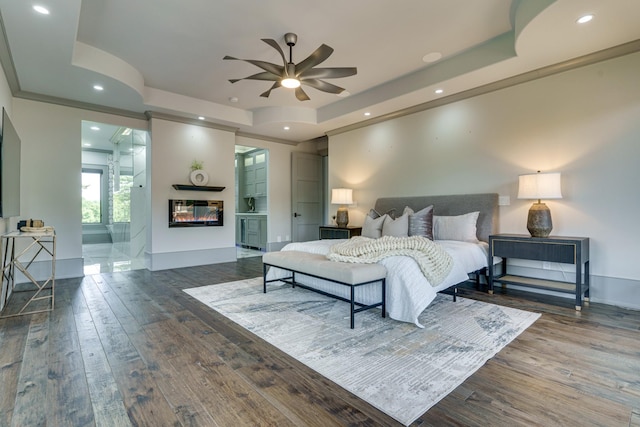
<point>565,250</point>
<point>335,232</point>
<point>19,258</point>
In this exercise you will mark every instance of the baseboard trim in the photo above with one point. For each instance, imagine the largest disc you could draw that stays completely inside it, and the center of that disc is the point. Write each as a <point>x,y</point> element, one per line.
<point>168,260</point>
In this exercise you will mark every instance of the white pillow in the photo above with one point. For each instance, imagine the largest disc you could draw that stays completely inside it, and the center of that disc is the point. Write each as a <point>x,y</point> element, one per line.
<point>398,227</point>
<point>459,227</point>
<point>373,227</point>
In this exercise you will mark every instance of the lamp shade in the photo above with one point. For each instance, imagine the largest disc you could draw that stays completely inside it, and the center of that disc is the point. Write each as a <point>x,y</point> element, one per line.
<point>539,186</point>
<point>341,196</point>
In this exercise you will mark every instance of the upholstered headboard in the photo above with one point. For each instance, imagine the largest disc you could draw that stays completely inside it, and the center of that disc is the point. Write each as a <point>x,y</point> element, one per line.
<point>485,203</point>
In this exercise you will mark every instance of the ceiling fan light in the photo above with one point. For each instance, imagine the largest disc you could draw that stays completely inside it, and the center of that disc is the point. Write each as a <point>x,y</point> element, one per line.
<point>290,83</point>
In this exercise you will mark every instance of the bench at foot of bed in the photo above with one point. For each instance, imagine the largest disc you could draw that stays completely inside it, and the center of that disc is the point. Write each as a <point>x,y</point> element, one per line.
<point>343,273</point>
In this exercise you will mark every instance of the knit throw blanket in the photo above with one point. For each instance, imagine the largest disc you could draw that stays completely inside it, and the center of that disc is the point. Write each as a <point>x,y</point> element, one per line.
<point>435,263</point>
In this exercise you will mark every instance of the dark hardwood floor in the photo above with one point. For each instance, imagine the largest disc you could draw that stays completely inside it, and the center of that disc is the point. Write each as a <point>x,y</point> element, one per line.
<point>131,348</point>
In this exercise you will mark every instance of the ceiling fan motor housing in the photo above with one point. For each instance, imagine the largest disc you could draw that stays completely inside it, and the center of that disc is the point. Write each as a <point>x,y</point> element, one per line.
<point>290,39</point>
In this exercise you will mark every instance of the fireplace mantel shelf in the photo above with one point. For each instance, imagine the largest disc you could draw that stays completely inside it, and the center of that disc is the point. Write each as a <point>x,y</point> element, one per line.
<point>196,187</point>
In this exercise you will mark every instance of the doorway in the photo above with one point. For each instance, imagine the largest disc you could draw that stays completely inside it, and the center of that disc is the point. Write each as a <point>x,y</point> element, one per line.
<point>113,197</point>
<point>251,178</point>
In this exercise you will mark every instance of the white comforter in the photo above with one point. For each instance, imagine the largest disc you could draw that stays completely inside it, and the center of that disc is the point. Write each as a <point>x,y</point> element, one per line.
<point>408,291</point>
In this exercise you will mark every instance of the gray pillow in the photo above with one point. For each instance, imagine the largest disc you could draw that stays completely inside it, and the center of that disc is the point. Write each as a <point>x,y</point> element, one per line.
<point>421,222</point>
<point>375,214</point>
<point>398,227</point>
<point>373,227</point>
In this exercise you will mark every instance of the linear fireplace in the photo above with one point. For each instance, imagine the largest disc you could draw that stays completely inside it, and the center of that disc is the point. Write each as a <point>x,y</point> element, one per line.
<point>195,213</point>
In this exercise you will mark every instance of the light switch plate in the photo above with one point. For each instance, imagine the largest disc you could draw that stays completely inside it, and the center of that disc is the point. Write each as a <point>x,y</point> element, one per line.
<point>504,200</point>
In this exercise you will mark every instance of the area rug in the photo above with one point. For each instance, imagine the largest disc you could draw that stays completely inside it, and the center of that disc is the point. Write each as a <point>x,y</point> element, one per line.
<point>397,367</point>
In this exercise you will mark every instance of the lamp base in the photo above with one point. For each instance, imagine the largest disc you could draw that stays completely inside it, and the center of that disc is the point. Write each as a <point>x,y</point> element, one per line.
<point>342,217</point>
<point>539,220</point>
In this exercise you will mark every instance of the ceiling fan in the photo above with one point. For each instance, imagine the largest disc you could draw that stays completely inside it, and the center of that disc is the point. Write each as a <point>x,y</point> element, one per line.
<point>292,75</point>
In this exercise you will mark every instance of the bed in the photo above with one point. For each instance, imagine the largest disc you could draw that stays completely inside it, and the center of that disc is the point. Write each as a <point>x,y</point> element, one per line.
<point>409,292</point>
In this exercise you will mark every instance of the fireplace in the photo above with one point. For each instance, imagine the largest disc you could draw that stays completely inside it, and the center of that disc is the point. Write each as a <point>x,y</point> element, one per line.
<point>195,213</point>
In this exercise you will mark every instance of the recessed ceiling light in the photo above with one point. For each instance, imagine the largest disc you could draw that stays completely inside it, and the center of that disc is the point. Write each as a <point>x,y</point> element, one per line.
<point>584,19</point>
<point>41,9</point>
<point>367,113</point>
<point>200,118</point>
<point>439,91</point>
<point>344,94</point>
<point>95,128</point>
<point>286,128</point>
<point>98,87</point>
<point>233,99</point>
<point>432,57</point>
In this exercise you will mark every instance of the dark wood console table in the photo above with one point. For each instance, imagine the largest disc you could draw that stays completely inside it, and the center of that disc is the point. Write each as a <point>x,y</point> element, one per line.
<point>565,250</point>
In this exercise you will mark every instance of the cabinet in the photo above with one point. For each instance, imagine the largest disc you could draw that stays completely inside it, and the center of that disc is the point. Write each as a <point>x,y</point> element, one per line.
<point>565,250</point>
<point>335,232</point>
<point>254,167</point>
<point>251,231</point>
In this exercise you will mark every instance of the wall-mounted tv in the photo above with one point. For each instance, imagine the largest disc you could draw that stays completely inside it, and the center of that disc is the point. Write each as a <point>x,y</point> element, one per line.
<point>9,169</point>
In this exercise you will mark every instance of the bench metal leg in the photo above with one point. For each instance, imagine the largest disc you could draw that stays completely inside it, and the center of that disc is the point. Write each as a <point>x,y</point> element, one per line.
<point>384,297</point>
<point>264,278</point>
<point>353,295</point>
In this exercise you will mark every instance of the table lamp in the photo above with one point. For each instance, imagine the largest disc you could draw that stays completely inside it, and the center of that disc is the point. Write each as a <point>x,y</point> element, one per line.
<point>343,197</point>
<point>539,186</point>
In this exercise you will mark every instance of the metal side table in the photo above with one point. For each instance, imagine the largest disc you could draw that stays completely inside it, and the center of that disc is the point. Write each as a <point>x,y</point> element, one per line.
<point>19,250</point>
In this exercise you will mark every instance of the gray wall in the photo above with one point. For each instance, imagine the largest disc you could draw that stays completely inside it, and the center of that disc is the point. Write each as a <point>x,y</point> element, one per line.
<point>583,123</point>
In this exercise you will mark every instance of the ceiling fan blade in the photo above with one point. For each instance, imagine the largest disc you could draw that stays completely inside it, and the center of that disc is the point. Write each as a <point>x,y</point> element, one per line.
<point>260,76</point>
<point>274,44</point>
<point>318,56</point>
<point>328,73</point>
<point>275,85</point>
<point>301,95</point>
<point>323,86</point>
<point>278,70</point>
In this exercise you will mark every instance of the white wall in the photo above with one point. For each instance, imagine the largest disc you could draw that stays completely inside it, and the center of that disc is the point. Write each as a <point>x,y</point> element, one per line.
<point>583,123</point>
<point>51,171</point>
<point>174,146</point>
<point>51,178</point>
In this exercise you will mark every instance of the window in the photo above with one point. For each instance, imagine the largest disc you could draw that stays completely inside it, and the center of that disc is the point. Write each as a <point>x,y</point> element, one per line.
<point>91,196</point>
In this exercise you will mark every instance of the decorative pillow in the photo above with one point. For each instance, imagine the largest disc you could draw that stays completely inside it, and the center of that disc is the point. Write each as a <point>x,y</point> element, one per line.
<point>372,227</point>
<point>398,227</point>
<point>421,222</point>
<point>375,214</point>
<point>459,227</point>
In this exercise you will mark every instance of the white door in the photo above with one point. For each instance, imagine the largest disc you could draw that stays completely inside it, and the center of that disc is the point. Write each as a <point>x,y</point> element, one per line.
<point>306,196</point>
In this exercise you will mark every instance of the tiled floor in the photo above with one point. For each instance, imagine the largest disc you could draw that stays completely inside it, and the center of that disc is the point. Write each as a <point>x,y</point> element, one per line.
<point>246,253</point>
<point>107,258</point>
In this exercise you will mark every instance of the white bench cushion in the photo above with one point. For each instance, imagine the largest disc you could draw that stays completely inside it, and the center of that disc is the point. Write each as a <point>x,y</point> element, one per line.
<point>319,265</point>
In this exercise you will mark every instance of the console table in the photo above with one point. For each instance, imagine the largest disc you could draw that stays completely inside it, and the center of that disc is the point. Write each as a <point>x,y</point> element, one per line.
<point>19,251</point>
<point>565,250</point>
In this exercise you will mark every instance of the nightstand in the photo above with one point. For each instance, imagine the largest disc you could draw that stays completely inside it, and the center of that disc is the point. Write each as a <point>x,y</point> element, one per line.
<point>565,250</point>
<point>335,232</point>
